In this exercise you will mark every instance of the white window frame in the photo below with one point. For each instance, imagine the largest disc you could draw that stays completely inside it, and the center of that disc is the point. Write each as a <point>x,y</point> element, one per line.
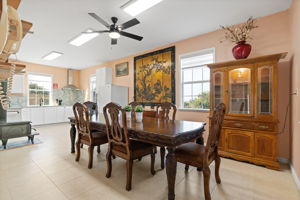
<point>90,86</point>
<point>191,54</point>
<point>51,88</point>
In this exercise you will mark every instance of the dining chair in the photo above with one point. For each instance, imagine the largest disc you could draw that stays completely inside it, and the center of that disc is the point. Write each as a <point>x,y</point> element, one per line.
<point>93,109</point>
<point>202,156</point>
<point>119,143</point>
<point>85,134</point>
<point>163,111</point>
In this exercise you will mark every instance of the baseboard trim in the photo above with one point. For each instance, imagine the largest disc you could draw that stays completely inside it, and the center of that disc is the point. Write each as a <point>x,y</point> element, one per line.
<point>284,160</point>
<point>295,176</point>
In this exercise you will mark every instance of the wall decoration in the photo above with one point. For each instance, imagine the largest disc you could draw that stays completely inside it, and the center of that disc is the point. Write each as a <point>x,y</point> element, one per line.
<point>240,34</point>
<point>154,77</point>
<point>55,85</point>
<point>122,69</point>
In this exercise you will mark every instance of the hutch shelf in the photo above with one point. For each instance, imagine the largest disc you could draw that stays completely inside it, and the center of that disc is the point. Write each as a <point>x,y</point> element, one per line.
<point>248,88</point>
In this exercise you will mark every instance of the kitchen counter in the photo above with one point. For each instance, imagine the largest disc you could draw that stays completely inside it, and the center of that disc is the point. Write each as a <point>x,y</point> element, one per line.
<point>40,115</point>
<point>17,108</point>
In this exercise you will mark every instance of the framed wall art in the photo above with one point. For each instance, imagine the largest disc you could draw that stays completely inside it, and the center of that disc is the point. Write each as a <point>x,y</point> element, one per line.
<point>122,69</point>
<point>154,77</point>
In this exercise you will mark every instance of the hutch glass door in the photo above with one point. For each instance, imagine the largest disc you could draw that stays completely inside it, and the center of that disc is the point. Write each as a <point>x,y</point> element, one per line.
<point>239,91</point>
<point>217,88</point>
<point>265,90</point>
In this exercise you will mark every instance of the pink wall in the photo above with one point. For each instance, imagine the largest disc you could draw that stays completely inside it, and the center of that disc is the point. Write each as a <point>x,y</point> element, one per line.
<point>59,74</point>
<point>272,36</point>
<point>295,122</point>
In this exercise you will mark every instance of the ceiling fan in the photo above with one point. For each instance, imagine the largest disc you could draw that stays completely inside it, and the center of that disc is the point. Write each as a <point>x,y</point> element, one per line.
<point>115,31</point>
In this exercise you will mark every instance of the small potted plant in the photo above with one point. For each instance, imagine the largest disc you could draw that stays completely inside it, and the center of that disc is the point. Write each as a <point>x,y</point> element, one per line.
<point>139,113</point>
<point>128,110</point>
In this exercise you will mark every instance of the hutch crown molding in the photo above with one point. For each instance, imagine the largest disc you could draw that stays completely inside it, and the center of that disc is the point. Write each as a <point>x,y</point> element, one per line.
<point>248,87</point>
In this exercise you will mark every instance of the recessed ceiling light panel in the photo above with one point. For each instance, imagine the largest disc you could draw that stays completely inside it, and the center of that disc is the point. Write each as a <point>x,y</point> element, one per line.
<point>135,7</point>
<point>83,38</point>
<point>52,55</point>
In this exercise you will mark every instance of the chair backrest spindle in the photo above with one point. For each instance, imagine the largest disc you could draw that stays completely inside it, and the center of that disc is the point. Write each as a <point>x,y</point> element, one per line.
<point>164,109</point>
<point>117,133</point>
<point>215,129</point>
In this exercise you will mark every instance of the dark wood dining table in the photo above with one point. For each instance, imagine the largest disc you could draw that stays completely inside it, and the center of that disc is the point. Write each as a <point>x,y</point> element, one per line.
<point>160,132</point>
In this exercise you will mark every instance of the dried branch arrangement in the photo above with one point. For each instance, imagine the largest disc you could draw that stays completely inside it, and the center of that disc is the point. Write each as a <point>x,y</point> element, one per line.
<point>239,33</point>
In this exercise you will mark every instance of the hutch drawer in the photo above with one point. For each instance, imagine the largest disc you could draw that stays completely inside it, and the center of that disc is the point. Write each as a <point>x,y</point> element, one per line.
<point>264,126</point>
<point>238,124</point>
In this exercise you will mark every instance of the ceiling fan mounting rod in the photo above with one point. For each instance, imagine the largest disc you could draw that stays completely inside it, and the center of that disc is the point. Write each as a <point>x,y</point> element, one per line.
<point>114,20</point>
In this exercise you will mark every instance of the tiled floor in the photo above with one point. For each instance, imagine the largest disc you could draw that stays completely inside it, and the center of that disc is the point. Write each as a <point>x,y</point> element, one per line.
<point>48,171</point>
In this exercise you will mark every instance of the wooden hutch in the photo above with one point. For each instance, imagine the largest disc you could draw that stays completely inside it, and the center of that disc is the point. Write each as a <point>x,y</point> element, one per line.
<point>248,87</point>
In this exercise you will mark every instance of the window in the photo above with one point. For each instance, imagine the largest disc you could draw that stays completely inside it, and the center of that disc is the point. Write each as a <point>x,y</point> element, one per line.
<point>40,89</point>
<point>195,79</point>
<point>93,92</point>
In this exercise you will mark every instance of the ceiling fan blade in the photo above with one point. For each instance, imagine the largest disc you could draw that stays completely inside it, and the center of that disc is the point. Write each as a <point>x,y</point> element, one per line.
<point>96,32</point>
<point>113,41</point>
<point>96,17</point>
<point>129,24</point>
<point>126,34</point>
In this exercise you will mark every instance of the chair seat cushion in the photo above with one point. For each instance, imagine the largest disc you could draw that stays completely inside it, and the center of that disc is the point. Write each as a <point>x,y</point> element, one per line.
<point>137,148</point>
<point>99,137</point>
<point>190,153</point>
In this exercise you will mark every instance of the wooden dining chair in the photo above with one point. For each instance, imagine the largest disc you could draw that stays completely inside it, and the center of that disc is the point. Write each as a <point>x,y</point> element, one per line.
<point>85,134</point>
<point>93,109</point>
<point>202,156</point>
<point>163,111</point>
<point>119,143</point>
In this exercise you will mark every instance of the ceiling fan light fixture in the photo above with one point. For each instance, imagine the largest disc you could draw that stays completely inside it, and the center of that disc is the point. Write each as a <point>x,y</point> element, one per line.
<point>114,35</point>
<point>135,7</point>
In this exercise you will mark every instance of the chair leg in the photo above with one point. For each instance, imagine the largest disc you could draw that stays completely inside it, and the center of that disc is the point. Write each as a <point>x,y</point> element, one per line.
<point>129,174</point>
<point>162,157</point>
<point>108,161</point>
<point>186,167</point>
<point>91,153</point>
<point>206,174</point>
<point>217,169</point>
<point>152,163</point>
<point>78,150</point>
<point>98,149</point>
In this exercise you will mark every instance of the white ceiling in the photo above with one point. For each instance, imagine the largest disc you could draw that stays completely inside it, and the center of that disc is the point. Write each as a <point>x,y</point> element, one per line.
<point>55,22</point>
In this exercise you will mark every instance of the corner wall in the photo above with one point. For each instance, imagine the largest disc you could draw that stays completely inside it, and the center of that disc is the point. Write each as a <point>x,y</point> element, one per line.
<point>295,101</point>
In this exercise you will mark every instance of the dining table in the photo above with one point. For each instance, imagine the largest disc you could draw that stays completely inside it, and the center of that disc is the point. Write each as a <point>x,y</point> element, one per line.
<point>157,131</point>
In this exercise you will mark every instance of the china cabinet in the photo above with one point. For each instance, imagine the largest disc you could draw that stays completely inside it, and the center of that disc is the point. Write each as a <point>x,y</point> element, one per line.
<point>248,88</point>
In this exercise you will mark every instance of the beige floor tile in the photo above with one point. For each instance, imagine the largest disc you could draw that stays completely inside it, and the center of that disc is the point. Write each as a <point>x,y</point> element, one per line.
<point>49,171</point>
<point>4,193</point>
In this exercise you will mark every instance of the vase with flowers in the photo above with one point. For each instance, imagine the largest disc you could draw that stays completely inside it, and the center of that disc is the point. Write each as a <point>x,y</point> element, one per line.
<point>240,35</point>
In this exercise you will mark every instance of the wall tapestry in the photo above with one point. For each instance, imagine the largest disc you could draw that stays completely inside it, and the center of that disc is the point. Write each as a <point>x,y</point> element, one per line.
<point>154,77</point>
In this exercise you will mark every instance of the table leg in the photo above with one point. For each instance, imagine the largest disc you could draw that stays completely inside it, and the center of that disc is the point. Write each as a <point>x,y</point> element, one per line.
<point>73,137</point>
<point>171,167</point>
